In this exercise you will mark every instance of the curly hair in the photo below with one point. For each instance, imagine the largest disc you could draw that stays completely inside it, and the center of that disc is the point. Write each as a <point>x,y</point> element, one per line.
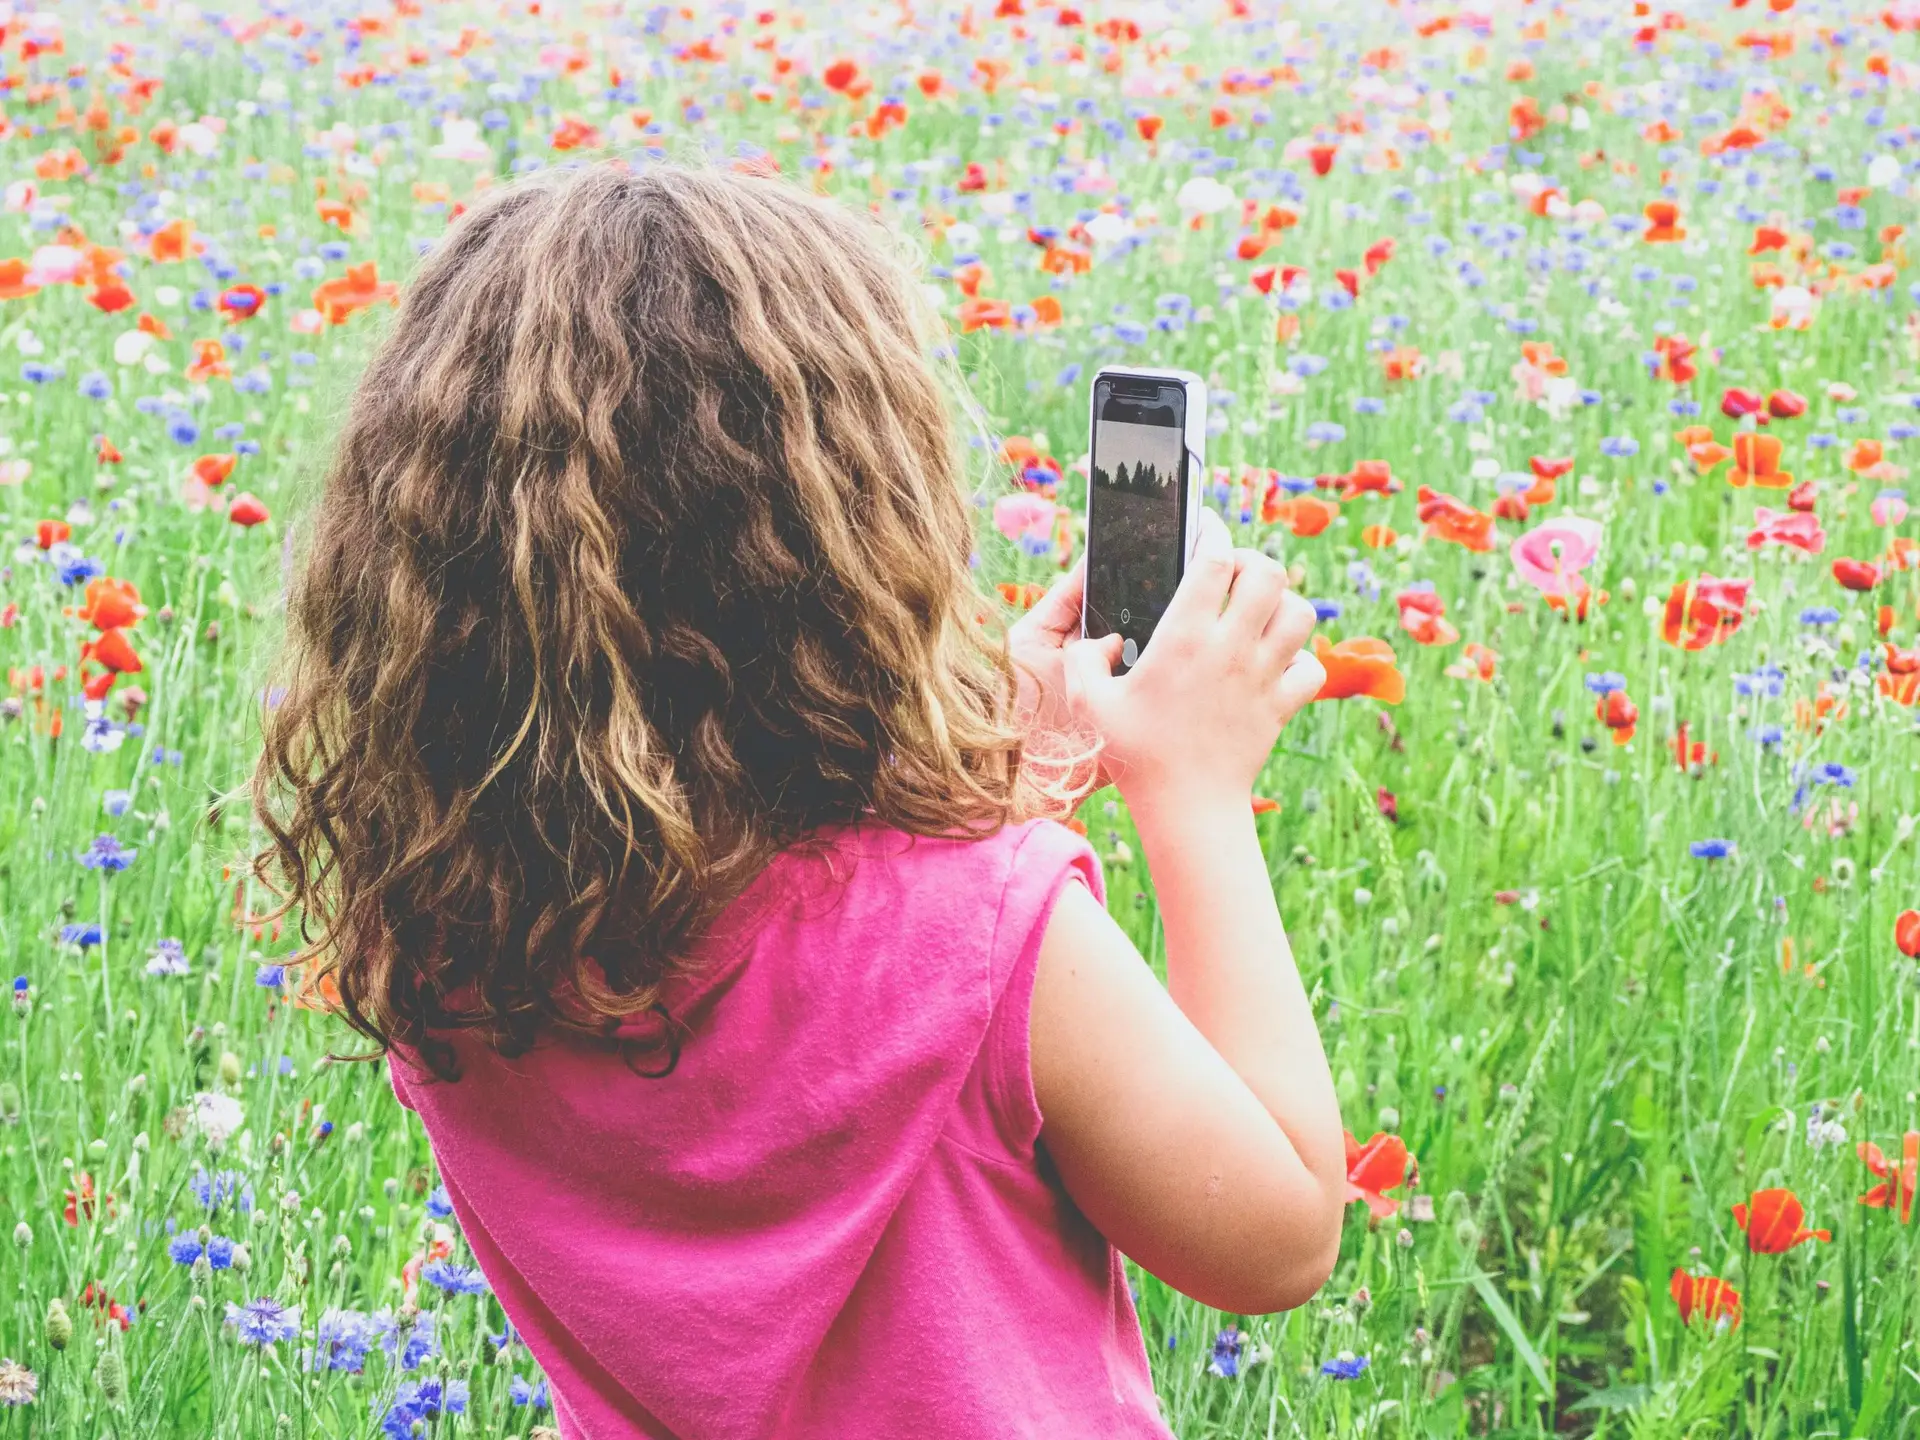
<point>644,554</point>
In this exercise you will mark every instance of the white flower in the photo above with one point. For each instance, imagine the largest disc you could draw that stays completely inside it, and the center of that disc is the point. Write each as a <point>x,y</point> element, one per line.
<point>1204,195</point>
<point>130,347</point>
<point>216,1117</point>
<point>1882,171</point>
<point>197,138</point>
<point>460,140</point>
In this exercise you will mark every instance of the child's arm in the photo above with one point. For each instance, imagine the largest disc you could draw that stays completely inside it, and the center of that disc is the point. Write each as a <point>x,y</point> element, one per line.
<point>1196,1126</point>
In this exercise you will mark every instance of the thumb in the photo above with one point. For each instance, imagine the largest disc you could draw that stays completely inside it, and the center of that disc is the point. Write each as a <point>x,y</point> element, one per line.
<point>1089,671</point>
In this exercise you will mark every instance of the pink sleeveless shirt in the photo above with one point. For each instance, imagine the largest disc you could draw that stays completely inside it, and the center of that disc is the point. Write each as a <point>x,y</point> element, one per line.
<point>830,1218</point>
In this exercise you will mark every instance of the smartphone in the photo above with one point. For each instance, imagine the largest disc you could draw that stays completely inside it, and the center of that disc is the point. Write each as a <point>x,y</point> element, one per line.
<point>1147,454</point>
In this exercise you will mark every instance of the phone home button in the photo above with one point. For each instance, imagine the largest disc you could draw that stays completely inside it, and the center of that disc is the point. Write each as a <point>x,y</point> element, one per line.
<point>1129,652</point>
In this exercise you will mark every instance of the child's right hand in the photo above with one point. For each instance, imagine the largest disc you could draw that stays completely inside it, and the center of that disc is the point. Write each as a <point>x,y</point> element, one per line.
<point>1196,718</point>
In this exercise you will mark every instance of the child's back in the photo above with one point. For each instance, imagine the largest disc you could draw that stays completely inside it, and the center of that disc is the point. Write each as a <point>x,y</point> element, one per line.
<point>828,1218</point>
<point>667,810</point>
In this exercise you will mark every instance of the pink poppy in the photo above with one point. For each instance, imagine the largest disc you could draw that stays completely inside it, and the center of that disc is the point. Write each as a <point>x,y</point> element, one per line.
<point>1550,557</point>
<point>1889,507</point>
<point>1798,528</point>
<point>1024,515</point>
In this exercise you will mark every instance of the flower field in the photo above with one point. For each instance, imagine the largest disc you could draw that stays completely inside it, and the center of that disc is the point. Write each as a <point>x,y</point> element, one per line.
<point>1568,353</point>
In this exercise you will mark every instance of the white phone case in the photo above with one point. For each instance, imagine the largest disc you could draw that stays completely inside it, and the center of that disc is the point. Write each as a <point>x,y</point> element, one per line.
<point>1196,442</point>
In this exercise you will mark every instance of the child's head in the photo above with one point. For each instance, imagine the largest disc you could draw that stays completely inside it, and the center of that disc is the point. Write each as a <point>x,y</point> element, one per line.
<point>644,554</point>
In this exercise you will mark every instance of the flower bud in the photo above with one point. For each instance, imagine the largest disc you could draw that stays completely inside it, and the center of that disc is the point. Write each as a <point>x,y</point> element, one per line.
<point>110,1374</point>
<point>23,1235</point>
<point>59,1325</point>
<point>242,1259</point>
<point>230,1071</point>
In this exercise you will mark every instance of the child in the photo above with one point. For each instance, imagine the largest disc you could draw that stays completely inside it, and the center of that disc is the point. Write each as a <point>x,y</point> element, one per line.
<point>666,813</point>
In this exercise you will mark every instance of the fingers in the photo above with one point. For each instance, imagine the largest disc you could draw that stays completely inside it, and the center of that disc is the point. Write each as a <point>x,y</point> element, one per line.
<point>1259,585</point>
<point>1089,669</point>
<point>1299,683</point>
<point>1203,589</point>
<point>1058,611</point>
<point>1291,625</point>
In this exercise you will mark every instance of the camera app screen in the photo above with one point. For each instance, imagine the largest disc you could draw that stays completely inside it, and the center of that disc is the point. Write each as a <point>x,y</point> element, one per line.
<point>1135,510</point>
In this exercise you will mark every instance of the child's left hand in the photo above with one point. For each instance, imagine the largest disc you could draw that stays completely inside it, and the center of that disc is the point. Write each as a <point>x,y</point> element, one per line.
<point>1037,641</point>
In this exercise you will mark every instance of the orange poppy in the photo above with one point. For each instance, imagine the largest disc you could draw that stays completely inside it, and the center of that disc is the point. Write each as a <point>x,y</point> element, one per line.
<point>358,289</point>
<point>1362,666</point>
<point>984,315</point>
<point>1663,223</point>
<point>1772,1220</point>
<point>209,362</point>
<point>1676,358</point>
<point>1896,1182</point>
<point>1539,354</point>
<point>1864,456</point>
<point>14,284</point>
<point>1369,477</point>
<point>174,241</point>
<point>1304,516</point>
<point>1619,714</point>
<point>1379,537</point>
<point>1021,597</point>
<point>1453,520</point>
<point>1756,459</point>
<point>110,604</point>
<point>114,651</point>
<point>1906,934</point>
<point>1767,237</point>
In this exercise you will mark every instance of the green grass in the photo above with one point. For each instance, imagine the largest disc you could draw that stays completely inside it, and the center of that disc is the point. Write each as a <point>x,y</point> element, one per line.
<point>1589,1077</point>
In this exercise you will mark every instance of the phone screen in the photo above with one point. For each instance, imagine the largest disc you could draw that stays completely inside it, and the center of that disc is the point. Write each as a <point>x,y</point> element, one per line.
<point>1136,506</point>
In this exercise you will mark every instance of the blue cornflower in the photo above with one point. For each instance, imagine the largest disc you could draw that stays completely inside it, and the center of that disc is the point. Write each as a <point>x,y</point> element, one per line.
<point>1360,575</point>
<point>1831,772</point>
<point>270,977</point>
<point>1068,375</point>
<point>1710,849</point>
<point>216,1189</point>
<point>169,957</point>
<point>220,1252</point>
<point>85,936</point>
<point>420,1346</point>
<point>70,567</point>
<point>1345,1366</point>
<point>454,1279</point>
<point>264,1321</point>
<point>184,1248</point>
<point>506,1337</point>
<point>1767,680</point>
<point>1326,432</point>
<point>438,1205</point>
<point>1619,446</point>
<point>1606,682</point>
<point>342,1340</point>
<point>529,1392</point>
<point>416,1402</point>
<point>182,429</point>
<point>1327,609</point>
<point>1368,405</point>
<point>108,854</point>
<point>1226,1353</point>
<point>95,386</point>
<point>1820,615</point>
<point>1766,735</point>
<point>116,802</point>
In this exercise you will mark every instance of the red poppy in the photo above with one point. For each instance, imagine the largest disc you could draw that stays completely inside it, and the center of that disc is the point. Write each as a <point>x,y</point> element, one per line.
<point>1149,127</point>
<point>1448,518</point>
<point>1803,496</point>
<point>1856,574</point>
<point>1906,933</point>
<point>1320,157</point>
<point>1304,516</point>
<point>1676,358</point>
<point>1800,530</point>
<point>1704,612</point>
<point>242,302</point>
<point>111,298</point>
<point>1785,405</point>
<point>1767,237</point>
<point>1737,403</point>
<point>210,470</point>
<point>1379,1165</point>
<point>1773,1222</point>
<point>115,651</point>
<point>1369,477</point>
<point>247,511</point>
<point>1896,1183</point>
<point>1421,613</point>
<point>49,533</point>
<point>1619,714</point>
<point>1688,752</point>
<point>1707,1296</point>
<point>984,315</point>
<point>108,453</point>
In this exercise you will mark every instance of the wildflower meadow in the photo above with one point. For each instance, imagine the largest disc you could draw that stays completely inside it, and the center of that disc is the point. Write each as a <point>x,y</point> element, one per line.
<point>1568,354</point>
